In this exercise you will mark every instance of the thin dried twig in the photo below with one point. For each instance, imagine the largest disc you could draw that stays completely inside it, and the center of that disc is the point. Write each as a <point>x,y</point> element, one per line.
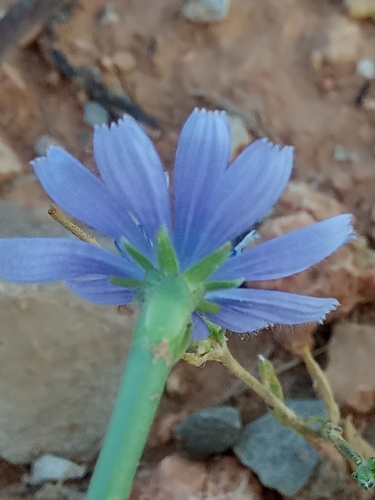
<point>116,102</point>
<point>72,228</point>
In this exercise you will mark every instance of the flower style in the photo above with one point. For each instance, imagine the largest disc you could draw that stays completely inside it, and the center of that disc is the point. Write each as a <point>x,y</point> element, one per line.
<point>212,205</point>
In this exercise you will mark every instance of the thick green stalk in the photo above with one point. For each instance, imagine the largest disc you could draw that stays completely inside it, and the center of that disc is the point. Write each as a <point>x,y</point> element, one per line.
<point>138,398</point>
<point>161,337</point>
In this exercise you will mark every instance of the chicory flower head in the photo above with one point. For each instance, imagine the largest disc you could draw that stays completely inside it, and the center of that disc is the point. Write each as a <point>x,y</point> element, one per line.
<point>212,205</point>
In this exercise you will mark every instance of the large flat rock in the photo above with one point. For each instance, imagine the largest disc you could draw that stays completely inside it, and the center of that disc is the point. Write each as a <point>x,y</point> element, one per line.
<point>61,361</point>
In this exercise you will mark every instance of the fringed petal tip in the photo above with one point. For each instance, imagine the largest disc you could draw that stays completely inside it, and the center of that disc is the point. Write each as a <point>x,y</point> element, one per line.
<point>50,156</point>
<point>332,304</point>
<point>352,235</point>
<point>102,127</point>
<point>204,111</point>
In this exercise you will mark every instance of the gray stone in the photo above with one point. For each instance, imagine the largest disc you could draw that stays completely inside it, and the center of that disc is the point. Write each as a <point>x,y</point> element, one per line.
<point>51,468</point>
<point>61,360</point>
<point>366,68</point>
<point>281,458</point>
<point>211,431</point>
<point>95,114</point>
<point>206,11</point>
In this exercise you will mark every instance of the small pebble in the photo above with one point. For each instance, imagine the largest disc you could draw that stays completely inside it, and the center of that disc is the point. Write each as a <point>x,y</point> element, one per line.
<point>279,456</point>
<point>210,432</point>
<point>366,68</point>
<point>106,63</point>
<point>108,15</point>
<point>95,114</point>
<point>206,11</point>
<point>42,144</point>
<point>124,61</point>
<point>50,468</point>
<point>343,155</point>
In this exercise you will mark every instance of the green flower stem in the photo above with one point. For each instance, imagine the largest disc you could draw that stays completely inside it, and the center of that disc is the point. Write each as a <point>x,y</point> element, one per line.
<point>137,401</point>
<point>161,337</point>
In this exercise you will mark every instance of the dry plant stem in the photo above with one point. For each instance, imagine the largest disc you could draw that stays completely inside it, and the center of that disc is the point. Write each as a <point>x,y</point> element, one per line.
<point>322,386</point>
<point>72,228</point>
<point>288,417</point>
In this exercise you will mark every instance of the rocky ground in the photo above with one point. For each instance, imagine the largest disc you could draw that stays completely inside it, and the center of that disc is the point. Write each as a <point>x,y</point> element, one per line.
<point>292,71</point>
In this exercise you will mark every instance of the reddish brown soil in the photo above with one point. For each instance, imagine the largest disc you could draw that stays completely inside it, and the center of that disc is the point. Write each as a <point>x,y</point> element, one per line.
<point>259,60</point>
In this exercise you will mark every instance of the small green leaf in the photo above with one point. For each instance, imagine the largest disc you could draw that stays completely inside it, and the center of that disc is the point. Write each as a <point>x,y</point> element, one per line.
<point>137,256</point>
<point>371,464</point>
<point>207,266</point>
<point>208,307</point>
<point>269,378</point>
<point>222,285</point>
<point>125,282</point>
<point>167,258</point>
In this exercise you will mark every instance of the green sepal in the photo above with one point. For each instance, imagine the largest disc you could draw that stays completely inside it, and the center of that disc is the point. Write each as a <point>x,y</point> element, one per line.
<point>207,266</point>
<point>222,285</point>
<point>125,282</point>
<point>216,332</point>
<point>137,256</point>
<point>206,306</point>
<point>371,464</point>
<point>167,258</point>
<point>269,378</point>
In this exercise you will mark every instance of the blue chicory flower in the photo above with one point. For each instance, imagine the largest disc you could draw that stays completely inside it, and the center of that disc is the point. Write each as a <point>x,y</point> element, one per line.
<point>213,204</point>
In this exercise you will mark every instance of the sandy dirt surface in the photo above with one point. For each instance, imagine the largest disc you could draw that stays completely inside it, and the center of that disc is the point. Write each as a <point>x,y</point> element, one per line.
<point>287,68</point>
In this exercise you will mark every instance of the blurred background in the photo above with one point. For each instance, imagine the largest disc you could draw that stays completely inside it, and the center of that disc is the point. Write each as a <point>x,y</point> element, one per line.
<point>295,71</point>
